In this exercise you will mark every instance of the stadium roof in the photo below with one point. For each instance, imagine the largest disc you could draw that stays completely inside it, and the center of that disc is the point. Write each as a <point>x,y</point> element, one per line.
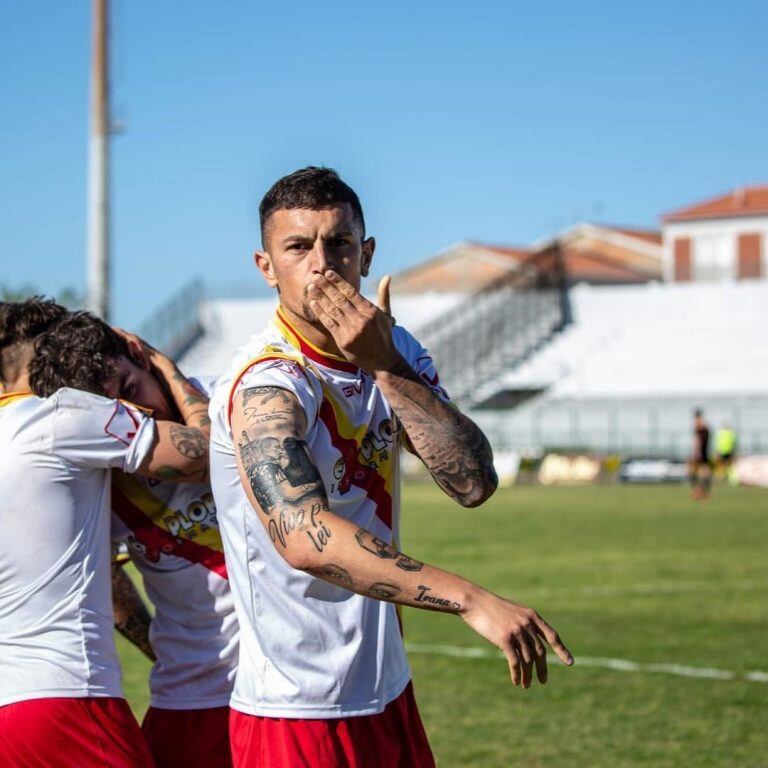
<point>743,201</point>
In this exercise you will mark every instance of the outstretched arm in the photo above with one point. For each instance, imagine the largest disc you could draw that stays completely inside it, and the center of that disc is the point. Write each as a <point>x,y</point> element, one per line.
<point>132,618</point>
<point>452,446</point>
<point>287,493</point>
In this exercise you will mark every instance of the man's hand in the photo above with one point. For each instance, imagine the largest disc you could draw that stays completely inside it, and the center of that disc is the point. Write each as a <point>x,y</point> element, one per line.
<point>362,331</point>
<point>518,632</point>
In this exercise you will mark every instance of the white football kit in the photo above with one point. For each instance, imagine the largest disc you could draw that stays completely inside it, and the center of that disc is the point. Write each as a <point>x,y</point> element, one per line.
<point>308,648</point>
<point>172,534</point>
<point>56,619</point>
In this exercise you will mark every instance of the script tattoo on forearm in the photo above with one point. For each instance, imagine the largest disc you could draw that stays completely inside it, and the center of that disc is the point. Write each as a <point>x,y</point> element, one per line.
<point>452,447</point>
<point>292,520</point>
<point>433,602</point>
<point>380,548</point>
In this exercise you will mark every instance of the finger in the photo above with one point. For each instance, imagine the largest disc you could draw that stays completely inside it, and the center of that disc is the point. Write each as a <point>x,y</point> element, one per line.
<point>554,640</point>
<point>541,660</point>
<point>328,289</point>
<point>135,346</point>
<point>382,298</point>
<point>348,291</point>
<point>331,310</point>
<point>528,657</point>
<point>513,659</point>
<point>322,316</point>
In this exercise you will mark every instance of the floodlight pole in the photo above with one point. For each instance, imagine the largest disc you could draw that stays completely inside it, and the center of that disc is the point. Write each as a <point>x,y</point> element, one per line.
<point>98,166</point>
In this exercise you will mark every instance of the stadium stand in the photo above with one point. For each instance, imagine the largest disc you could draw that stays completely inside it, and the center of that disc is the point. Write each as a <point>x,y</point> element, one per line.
<point>571,343</point>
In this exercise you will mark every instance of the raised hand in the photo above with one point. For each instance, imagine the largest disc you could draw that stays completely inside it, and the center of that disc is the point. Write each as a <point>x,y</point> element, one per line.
<point>362,331</point>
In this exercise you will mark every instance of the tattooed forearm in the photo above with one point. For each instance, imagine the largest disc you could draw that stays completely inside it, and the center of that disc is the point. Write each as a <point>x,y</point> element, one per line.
<point>311,525</point>
<point>132,619</point>
<point>433,602</point>
<point>380,548</point>
<point>334,573</point>
<point>452,447</point>
<point>382,591</point>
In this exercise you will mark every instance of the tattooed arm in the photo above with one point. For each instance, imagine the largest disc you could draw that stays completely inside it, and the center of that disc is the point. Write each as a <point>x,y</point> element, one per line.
<point>132,618</point>
<point>452,447</point>
<point>178,454</point>
<point>191,402</point>
<point>287,493</point>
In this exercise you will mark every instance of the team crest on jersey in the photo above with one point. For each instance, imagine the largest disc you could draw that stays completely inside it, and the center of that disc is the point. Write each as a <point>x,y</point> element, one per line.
<point>122,429</point>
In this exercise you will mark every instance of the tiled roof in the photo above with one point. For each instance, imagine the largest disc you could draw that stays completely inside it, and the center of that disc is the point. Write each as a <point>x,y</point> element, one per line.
<point>744,201</point>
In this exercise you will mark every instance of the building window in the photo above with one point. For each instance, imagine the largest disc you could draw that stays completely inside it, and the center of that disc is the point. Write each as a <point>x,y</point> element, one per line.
<point>683,259</point>
<point>750,256</point>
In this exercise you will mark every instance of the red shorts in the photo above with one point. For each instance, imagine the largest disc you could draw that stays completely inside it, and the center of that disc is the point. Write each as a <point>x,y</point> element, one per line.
<point>193,738</point>
<point>393,739</point>
<point>71,733</point>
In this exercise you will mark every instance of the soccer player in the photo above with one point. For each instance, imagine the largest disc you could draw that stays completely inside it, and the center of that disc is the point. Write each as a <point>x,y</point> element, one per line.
<point>172,536</point>
<point>700,464</point>
<point>61,701</point>
<point>306,427</point>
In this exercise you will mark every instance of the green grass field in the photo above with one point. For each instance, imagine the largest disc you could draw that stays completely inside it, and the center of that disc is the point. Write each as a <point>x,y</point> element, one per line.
<point>633,573</point>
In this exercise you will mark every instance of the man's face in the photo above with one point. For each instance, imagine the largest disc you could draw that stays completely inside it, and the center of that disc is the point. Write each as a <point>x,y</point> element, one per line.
<point>301,244</point>
<point>134,383</point>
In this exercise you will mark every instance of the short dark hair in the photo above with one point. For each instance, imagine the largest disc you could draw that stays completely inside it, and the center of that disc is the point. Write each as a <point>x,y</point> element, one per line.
<point>311,188</point>
<point>22,321</point>
<point>79,351</point>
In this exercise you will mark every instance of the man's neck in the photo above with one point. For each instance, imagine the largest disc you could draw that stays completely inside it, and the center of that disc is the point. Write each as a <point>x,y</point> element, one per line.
<point>317,336</point>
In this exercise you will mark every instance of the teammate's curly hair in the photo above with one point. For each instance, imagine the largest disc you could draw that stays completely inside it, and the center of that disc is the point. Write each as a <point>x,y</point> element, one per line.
<point>21,322</point>
<point>79,352</point>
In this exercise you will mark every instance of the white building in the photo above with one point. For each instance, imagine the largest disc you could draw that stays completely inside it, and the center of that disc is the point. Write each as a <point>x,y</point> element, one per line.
<point>723,238</point>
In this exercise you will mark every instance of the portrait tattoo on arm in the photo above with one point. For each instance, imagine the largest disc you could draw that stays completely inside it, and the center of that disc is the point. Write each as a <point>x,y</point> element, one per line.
<point>188,442</point>
<point>279,472</point>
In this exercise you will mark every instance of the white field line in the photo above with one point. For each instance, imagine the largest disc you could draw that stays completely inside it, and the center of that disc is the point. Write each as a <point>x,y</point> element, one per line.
<point>651,588</point>
<point>621,665</point>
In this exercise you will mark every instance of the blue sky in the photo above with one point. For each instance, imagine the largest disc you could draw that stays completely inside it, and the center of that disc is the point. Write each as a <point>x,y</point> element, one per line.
<point>495,121</point>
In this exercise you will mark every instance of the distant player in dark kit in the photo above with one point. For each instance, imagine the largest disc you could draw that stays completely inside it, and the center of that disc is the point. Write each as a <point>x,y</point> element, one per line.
<point>700,465</point>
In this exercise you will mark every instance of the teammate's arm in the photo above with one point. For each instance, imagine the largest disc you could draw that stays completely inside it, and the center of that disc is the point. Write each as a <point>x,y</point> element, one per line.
<point>287,492</point>
<point>452,446</point>
<point>191,402</point>
<point>178,454</point>
<point>132,618</point>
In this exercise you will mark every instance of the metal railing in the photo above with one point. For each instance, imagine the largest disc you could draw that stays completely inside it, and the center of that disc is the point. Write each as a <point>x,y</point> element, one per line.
<point>176,325</point>
<point>496,329</point>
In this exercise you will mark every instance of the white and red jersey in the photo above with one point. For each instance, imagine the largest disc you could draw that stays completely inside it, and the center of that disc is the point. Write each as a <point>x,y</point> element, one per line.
<point>56,620</point>
<point>172,534</point>
<point>308,648</point>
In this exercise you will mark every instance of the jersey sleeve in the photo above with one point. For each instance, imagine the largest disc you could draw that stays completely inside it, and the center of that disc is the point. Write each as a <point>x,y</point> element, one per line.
<point>283,373</point>
<point>93,431</point>
<point>420,360</point>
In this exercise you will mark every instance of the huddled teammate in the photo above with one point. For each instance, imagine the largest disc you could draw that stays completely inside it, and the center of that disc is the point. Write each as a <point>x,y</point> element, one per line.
<point>172,535</point>
<point>103,440</point>
<point>61,700</point>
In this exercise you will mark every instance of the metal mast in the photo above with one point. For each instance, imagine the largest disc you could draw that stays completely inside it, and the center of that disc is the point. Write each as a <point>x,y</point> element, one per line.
<point>98,166</point>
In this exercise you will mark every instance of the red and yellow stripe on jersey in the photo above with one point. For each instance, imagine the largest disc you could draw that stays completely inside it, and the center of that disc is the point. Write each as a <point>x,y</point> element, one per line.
<point>146,515</point>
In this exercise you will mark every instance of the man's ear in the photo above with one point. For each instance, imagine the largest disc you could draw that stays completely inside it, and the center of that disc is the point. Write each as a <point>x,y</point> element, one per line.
<point>263,262</point>
<point>369,246</point>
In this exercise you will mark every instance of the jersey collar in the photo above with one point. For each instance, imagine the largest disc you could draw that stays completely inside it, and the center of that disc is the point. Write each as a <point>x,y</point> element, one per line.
<point>13,397</point>
<point>295,339</point>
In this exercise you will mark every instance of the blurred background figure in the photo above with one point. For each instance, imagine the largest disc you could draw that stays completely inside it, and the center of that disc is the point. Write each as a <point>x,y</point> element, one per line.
<point>700,466</point>
<point>725,448</point>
